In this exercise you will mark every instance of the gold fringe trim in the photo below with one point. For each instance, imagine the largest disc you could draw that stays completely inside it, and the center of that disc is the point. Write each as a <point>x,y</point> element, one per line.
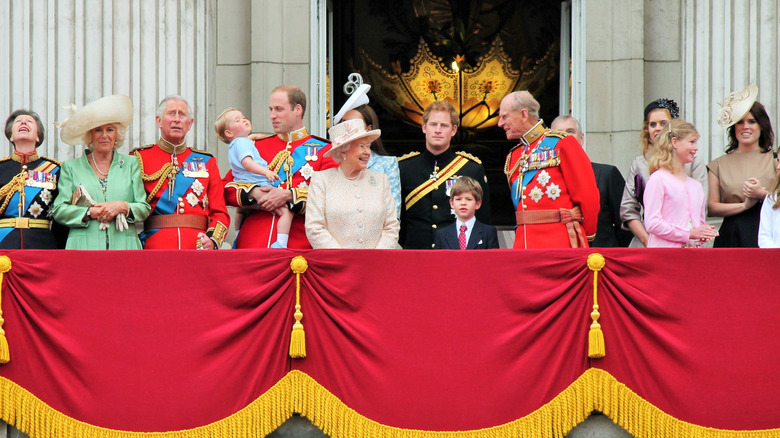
<point>596,348</point>
<point>594,390</point>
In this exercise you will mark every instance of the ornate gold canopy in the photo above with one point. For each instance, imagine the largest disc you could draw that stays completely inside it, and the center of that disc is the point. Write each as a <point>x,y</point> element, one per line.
<point>475,93</point>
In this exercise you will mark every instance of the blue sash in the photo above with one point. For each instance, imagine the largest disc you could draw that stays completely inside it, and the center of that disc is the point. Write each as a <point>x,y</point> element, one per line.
<point>183,183</point>
<point>12,210</point>
<point>299,156</point>
<point>542,152</point>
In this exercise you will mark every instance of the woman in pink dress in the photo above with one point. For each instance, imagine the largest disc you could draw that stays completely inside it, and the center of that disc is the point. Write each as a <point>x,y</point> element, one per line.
<point>674,202</point>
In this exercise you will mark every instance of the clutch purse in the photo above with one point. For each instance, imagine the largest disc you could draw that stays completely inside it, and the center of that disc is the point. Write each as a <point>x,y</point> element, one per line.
<point>81,197</point>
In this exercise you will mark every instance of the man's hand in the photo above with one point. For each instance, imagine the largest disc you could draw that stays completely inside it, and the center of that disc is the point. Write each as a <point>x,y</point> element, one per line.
<point>258,193</point>
<point>274,198</point>
<point>205,242</point>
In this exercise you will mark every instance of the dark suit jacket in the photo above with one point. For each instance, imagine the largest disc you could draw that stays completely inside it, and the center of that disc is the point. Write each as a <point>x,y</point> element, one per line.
<point>611,184</point>
<point>482,237</point>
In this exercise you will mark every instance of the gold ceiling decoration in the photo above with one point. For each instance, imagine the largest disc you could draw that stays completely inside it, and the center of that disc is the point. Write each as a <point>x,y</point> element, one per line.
<point>475,92</point>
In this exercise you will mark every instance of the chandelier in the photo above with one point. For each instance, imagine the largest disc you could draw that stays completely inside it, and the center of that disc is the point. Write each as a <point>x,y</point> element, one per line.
<point>475,92</point>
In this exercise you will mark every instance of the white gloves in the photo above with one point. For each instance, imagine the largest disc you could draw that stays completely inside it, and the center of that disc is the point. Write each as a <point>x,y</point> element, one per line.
<point>121,223</point>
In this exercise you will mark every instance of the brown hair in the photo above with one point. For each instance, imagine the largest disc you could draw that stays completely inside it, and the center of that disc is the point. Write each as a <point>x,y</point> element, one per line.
<point>370,119</point>
<point>9,124</point>
<point>221,124</point>
<point>443,106</point>
<point>294,95</point>
<point>665,156</point>
<point>466,184</point>
<point>767,138</point>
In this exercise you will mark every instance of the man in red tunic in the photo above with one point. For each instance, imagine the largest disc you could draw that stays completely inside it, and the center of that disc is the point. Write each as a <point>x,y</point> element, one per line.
<point>294,155</point>
<point>183,186</point>
<point>551,180</point>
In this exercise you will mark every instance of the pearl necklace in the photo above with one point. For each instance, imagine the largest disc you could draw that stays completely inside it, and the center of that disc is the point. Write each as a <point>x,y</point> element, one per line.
<point>350,178</point>
<point>105,174</point>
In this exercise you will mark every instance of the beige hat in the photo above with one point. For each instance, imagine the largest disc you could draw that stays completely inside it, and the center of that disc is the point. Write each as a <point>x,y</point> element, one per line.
<point>348,131</point>
<point>116,110</point>
<point>736,106</point>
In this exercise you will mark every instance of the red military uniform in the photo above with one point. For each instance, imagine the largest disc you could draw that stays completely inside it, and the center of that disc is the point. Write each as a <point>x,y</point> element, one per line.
<point>554,191</point>
<point>294,157</point>
<point>185,191</point>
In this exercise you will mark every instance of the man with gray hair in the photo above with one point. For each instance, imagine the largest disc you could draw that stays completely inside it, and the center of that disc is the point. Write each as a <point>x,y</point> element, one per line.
<point>550,177</point>
<point>610,183</point>
<point>183,186</point>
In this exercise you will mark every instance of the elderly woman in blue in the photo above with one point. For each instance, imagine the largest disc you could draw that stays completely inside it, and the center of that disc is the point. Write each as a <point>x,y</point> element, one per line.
<point>28,186</point>
<point>101,193</point>
<point>357,107</point>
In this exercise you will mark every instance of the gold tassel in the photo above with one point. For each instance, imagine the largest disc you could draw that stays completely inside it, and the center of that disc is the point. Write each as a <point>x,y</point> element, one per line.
<point>596,337</point>
<point>298,337</point>
<point>5,266</point>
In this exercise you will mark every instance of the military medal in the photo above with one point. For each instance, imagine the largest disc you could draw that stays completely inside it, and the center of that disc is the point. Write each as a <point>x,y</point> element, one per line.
<point>41,180</point>
<point>435,174</point>
<point>311,153</point>
<point>195,170</point>
<point>449,183</point>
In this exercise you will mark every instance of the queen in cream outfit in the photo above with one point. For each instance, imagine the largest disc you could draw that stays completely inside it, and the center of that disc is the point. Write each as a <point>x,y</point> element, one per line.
<point>351,206</point>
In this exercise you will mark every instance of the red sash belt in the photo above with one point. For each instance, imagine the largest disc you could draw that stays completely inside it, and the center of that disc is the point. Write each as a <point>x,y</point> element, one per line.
<point>571,218</point>
<point>177,221</point>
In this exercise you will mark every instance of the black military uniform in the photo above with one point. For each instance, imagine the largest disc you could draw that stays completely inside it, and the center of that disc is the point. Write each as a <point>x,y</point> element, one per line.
<point>32,227</point>
<point>425,195</point>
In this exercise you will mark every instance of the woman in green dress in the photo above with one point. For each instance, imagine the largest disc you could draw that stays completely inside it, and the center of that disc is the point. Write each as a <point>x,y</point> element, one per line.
<point>101,193</point>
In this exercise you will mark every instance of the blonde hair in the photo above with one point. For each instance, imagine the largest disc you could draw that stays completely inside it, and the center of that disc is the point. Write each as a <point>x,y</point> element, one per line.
<point>221,124</point>
<point>121,132</point>
<point>775,192</point>
<point>665,156</point>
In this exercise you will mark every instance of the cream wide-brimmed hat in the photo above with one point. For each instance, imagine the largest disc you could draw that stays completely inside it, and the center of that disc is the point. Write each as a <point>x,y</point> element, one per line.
<point>115,110</point>
<point>346,132</point>
<point>736,106</point>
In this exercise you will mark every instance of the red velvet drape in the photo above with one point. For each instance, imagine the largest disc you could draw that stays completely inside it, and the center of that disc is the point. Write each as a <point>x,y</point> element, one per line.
<point>430,340</point>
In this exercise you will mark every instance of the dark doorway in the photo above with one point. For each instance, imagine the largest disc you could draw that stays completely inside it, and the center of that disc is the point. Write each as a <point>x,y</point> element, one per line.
<point>389,33</point>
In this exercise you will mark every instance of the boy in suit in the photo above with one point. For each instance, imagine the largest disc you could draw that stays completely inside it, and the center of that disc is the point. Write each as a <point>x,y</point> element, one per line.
<point>467,232</point>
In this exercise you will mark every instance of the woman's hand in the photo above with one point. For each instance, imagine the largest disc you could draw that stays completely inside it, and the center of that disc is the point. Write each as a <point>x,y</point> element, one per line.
<point>751,189</point>
<point>749,203</point>
<point>106,212</point>
<point>638,228</point>
<point>703,233</point>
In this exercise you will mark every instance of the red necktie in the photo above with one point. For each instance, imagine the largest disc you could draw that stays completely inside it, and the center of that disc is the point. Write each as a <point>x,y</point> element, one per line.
<point>462,237</point>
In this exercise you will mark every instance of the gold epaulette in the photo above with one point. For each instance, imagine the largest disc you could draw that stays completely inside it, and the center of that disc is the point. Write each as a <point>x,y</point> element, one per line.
<point>140,148</point>
<point>409,155</point>
<point>469,156</point>
<point>559,134</point>
<point>5,159</point>
<point>202,152</point>
<point>52,160</point>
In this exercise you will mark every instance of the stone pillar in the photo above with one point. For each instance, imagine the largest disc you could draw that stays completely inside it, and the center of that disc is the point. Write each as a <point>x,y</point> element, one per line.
<point>615,80</point>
